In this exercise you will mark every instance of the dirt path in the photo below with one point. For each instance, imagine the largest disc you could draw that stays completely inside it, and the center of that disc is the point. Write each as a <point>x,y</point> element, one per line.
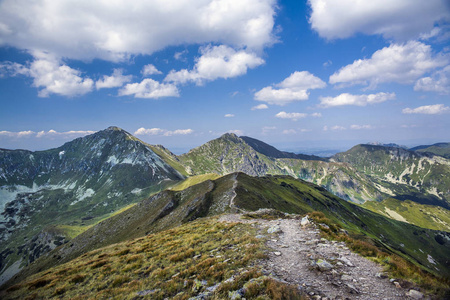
<point>323,269</point>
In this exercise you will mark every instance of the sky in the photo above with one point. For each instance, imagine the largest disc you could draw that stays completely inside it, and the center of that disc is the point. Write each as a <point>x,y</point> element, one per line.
<point>317,74</point>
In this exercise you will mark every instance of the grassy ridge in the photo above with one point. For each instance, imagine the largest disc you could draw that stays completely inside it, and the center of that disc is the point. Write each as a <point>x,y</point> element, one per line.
<point>425,216</point>
<point>177,263</point>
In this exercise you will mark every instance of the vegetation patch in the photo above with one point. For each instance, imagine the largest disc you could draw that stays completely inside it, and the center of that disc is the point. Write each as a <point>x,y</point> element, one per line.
<point>201,257</point>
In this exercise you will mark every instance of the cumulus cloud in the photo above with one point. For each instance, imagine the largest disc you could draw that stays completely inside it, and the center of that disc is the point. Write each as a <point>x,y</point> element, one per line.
<point>150,69</point>
<point>48,134</point>
<point>117,79</point>
<point>401,63</point>
<point>19,134</point>
<point>334,128</point>
<point>316,115</point>
<point>149,88</point>
<point>293,88</point>
<point>163,132</point>
<point>114,30</point>
<point>438,82</point>
<point>216,62</point>
<point>292,116</point>
<point>229,115</point>
<point>434,109</point>
<point>289,131</point>
<point>358,100</point>
<point>359,127</point>
<point>51,76</point>
<point>399,19</point>
<point>266,129</point>
<point>260,106</point>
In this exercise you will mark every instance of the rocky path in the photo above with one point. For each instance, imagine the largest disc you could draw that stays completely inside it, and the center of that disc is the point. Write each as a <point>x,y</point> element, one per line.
<point>321,268</point>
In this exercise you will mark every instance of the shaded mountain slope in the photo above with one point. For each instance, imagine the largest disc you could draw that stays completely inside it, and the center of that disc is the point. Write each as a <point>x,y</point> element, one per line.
<point>240,192</point>
<point>273,152</point>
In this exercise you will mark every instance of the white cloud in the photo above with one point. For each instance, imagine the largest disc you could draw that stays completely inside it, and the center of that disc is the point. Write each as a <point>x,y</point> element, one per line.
<point>150,69</point>
<point>316,115</point>
<point>266,129</point>
<point>359,127</point>
<point>66,134</point>
<point>399,19</point>
<point>216,62</point>
<point>236,132</point>
<point>402,63</point>
<point>48,134</point>
<point>117,79</point>
<point>292,116</point>
<point>289,131</point>
<point>180,55</point>
<point>334,128</point>
<point>163,132</point>
<point>229,115</point>
<point>115,30</point>
<point>427,109</point>
<point>51,75</point>
<point>149,88</point>
<point>19,134</point>
<point>358,100</point>
<point>293,88</point>
<point>438,82</point>
<point>260,106</point>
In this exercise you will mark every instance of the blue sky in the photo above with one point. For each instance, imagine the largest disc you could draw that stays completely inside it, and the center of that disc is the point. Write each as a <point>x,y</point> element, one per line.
<point>295,74</point>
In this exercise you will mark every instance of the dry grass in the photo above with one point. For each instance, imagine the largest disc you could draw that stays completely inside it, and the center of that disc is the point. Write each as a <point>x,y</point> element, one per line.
<point>163,265</point>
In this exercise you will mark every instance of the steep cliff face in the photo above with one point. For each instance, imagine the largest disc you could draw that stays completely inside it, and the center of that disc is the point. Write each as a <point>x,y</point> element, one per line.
<point>72,185</point>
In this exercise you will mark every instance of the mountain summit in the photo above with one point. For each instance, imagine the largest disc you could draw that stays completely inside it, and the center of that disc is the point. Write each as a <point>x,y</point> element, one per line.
<point>45,195</point>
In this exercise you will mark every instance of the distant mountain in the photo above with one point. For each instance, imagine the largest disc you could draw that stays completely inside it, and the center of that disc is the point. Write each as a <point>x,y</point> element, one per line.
<point>441,149</point>
<point>238,192</point>
<point>393,145</point>
<point>48,196</point>
<point>230,153</point>
<point>273,152</point>
<point>403,174</point>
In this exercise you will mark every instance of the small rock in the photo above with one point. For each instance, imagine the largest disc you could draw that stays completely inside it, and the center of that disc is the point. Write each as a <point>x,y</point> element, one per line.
<point>274,229</point>
<point>397,285</point>
<point>277,253</point>
<point>147,292</point>
<point>198,285</point>
<point>414,294</point>
<point>381,275</point>
<point>323,265</point>
<point>260,236</point>
<point>284,246</point>
<point>346,261</point>
<point>305,221</point>
<point>352,288</point>
<point>346,277</point>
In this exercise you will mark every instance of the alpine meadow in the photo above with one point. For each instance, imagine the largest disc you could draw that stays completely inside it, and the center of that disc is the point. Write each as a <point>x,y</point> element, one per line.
<point>225,149</point>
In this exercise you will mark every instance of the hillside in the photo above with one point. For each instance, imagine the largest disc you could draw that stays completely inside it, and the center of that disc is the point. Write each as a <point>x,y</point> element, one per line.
<point>404,174</point>
<point>441,149</point>
<point>425,216</point>
<point>239,192</point>
<point>47,197</point>
<point>231,153</point>
<point>229,257</point>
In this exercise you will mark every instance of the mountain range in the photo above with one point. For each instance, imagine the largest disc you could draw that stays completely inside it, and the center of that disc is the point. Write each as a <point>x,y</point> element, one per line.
<point>110,186</point>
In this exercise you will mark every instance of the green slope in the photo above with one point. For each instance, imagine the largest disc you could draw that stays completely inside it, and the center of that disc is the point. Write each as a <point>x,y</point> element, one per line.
<point>239,192</point>
<point>425,216</point>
